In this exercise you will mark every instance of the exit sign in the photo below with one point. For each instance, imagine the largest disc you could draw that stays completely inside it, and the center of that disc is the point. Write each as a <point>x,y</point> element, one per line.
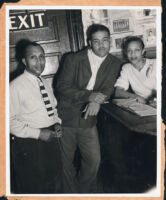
<point>27,21</point>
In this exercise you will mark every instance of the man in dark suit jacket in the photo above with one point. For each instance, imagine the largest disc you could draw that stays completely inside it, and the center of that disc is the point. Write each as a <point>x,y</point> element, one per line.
<point>86,81</point>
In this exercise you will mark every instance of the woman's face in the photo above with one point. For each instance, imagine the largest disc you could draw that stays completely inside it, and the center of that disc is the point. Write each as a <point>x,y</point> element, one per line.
<point>135,52</point>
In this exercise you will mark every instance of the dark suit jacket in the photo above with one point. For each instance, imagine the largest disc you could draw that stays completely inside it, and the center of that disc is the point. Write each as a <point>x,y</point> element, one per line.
<point>72,82</point>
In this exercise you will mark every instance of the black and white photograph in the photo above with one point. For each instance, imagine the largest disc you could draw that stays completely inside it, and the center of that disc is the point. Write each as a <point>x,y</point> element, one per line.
<point>83,88</point>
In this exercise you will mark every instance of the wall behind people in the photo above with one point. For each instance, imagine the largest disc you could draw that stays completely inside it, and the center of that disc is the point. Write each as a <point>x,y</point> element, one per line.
<point>55,30</point>
<point>63,31</point>
<point>123,23</point>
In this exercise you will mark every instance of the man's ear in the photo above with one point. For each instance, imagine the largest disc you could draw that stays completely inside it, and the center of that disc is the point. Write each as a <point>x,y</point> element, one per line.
<point>23,60</point>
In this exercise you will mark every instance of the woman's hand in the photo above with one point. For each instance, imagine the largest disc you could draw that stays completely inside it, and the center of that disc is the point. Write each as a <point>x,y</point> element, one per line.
<point>140,99</point>
<point>153,103</point>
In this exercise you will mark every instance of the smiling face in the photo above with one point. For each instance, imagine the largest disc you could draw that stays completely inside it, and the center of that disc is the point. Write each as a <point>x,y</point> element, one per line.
<point>100,43</point>
<point>34,60</point>
<point>135,52</point>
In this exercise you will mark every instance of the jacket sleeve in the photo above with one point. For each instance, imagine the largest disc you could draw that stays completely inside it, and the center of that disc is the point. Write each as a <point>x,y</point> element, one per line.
<point>17,126</point>
<point>66,82</point>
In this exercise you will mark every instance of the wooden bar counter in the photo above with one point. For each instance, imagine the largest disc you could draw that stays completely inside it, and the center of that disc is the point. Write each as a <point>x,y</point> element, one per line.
<point>130,120</point>
<point>128,150</point>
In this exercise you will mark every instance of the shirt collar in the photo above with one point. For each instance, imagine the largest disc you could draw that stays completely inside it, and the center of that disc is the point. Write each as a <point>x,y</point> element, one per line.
<point>30,76</point>
<point>95,57</point>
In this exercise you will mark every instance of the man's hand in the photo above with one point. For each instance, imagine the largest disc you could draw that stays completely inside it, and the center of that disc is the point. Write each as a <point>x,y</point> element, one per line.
<point>45,134</point>
<point>58,130</point>
<point>97,97</point>
<point>92,109</point>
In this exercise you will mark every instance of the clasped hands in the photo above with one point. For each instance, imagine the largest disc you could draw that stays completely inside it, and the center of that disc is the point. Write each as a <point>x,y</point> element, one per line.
<point>46,134</point>
<point>95,100</point>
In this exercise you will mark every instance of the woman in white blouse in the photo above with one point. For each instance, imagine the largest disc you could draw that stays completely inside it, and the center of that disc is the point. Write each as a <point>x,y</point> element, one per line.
<point>139,73</point>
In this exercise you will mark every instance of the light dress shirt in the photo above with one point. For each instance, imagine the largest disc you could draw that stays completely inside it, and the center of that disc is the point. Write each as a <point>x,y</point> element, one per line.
<point>27,109</point>
<point>95,63</point>
<point>142,82</point>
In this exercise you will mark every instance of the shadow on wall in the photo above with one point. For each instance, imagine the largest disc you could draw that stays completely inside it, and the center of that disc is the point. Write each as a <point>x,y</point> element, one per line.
<point>19,49</point>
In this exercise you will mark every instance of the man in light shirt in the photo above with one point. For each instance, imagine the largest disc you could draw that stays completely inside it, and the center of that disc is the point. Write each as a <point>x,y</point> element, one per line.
<point>86,81</point>
<point>34,128</point>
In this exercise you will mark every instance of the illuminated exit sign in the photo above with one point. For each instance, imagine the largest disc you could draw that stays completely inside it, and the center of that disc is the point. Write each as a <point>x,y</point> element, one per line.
<point>27,21</point>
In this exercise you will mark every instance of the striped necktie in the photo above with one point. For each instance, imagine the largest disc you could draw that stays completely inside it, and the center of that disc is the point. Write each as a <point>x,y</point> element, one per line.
<point>45,98</point>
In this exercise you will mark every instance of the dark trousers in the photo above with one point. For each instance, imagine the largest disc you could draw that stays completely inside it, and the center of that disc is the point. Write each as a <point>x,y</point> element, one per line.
<point>86,139</point>
<point>35,166</point>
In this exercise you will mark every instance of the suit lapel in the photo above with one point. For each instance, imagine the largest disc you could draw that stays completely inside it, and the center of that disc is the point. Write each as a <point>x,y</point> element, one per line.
<point>84,70</point>
<point>86,63</point>
<point>102,70</point>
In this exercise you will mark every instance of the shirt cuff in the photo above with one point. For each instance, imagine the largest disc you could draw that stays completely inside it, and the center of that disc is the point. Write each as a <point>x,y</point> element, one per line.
<point>121,84</point>
<point>85,97</point>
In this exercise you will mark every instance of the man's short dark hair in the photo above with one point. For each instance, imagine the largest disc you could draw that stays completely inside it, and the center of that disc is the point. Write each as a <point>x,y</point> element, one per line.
<point>95,28</point>
<point>130,39</point>
<point>28,44</point>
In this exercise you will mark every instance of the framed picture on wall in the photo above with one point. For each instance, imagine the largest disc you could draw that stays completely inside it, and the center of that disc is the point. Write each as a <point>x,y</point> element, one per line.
<point>150,35</point>
<point>121,25</point>
<point>118,43</point>
<point>117,40</point>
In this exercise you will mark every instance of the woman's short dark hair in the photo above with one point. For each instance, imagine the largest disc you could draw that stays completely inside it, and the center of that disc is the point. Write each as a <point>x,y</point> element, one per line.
<point>130,39</point>
<point>95,28</point>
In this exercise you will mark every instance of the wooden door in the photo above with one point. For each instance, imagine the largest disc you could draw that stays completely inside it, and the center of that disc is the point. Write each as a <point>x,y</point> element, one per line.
<point>47,27</point>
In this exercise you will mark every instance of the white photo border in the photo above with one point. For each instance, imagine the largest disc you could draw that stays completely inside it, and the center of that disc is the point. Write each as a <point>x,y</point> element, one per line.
<point>157,191</point>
